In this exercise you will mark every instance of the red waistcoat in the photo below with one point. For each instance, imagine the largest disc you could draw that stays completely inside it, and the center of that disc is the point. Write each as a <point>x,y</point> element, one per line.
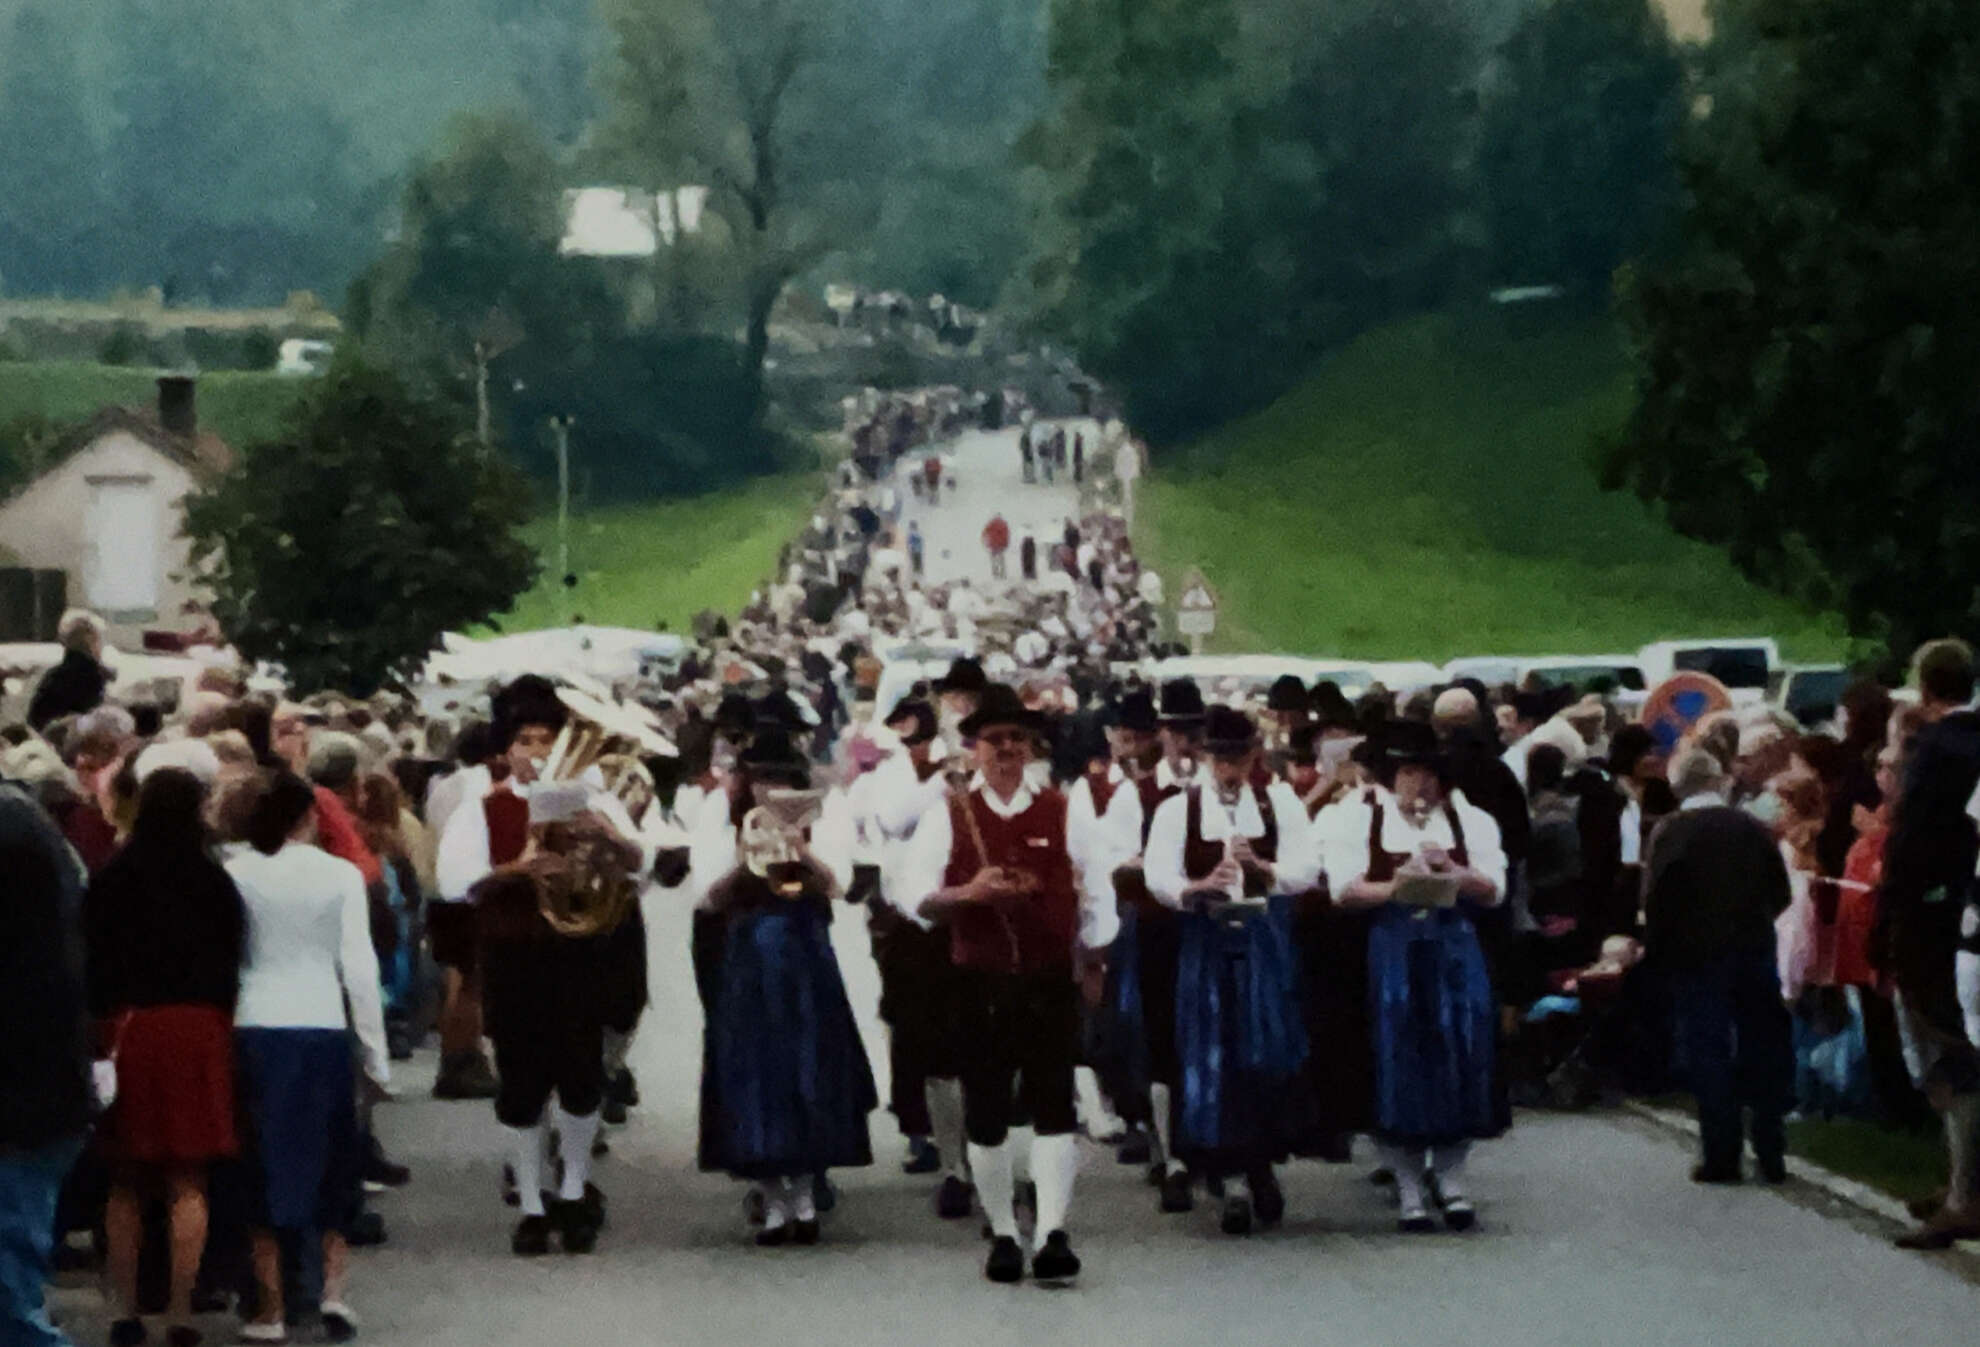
<point>1031,935</point>
<point>508,826</point>
<point>1382,865</point>
<point>1200,857</point>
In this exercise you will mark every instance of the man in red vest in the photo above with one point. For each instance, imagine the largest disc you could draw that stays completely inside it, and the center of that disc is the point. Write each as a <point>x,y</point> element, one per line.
<point>993,863</point>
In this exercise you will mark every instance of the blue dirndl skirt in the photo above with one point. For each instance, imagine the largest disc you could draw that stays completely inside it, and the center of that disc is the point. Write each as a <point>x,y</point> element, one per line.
<point>1434,1023</point>
<point>792,1076</point>
<point>1241,1036</point>
<point>299,1088</point>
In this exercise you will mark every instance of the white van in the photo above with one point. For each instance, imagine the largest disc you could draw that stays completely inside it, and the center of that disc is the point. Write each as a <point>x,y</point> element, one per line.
<point>1745,665</point>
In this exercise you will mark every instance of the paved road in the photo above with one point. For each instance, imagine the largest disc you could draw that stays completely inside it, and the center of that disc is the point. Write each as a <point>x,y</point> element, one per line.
<point>1592,1238</point>
<point>989,481</point>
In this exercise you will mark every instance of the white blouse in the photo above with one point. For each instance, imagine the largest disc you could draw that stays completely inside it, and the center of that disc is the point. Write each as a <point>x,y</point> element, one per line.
<point>309,948</point>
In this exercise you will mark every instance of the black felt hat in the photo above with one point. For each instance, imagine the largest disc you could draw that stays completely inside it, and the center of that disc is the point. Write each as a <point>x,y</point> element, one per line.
<point>1182,703</point>
<point>1136,711</point>
<point>1287,693</point>
<point>964,675</point>
<point>1228,733</point>
<point>1411,743</point>
<point>1000,705</point>
<point>773,755</point>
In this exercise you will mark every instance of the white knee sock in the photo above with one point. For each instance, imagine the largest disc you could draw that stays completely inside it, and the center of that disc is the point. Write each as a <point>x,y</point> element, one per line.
<point>945,1112</point>
<point>804,1205</point>
<point>1158,1108</point>
<point>1054,1163</point>
<point>1447,1162</point>
<point>1406,1163</point>
<point>1094,1113</point>
<point>574,1137</point>
<point>526,1158</point>
<point>776,1203</point>
<point>995,1188</point>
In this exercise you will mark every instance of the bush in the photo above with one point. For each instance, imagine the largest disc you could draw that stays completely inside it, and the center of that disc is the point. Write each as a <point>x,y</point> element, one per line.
<point>126,345</point>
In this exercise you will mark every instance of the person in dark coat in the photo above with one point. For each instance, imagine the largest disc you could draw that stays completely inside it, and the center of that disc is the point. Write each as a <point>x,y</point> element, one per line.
<point>1928,871</point>
<point>1714,885</point>
<point>77,684</point>
<point>45,1096</point>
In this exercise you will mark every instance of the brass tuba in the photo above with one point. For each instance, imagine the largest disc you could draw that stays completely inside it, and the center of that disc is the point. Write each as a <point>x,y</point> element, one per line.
<point>771,841</point>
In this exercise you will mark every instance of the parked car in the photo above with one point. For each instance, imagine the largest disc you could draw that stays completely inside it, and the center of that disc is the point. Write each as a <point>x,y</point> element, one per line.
<point>1811,693</point>
<point>1743,664</point>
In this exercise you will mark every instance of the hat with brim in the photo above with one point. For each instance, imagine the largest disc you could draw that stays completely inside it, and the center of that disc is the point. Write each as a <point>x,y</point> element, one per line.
<point>773,756</point>
<point>914,720</point>
<point>1136,712</point>
<point>1287,693</point>
<point>999,706</point>
<point>964,675</point>
<point>1182,704</point>
<point>1228,733</point>
<point>1411,743</point>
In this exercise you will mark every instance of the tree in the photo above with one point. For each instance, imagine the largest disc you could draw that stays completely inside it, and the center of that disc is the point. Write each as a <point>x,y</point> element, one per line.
<point>1136,265</point>
<point>1805,353</point>
<point>703,92</point>
<point>344,553</point>
<point>1578,135</point>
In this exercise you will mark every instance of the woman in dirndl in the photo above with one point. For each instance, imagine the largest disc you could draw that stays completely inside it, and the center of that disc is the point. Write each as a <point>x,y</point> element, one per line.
<point>1233,856</point>
<point>1432,1010</point>
<point>309,956</point>
<point>164,928</point>
<point>789,1072</point>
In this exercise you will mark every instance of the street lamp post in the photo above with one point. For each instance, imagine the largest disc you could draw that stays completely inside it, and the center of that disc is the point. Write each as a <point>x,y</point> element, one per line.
<point>560,427</point>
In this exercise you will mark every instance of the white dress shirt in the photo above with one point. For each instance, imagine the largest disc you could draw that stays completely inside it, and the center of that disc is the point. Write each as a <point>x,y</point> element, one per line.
<point>1296,870</point>
<point>926,861</point>
<point>309,948</point>
<point>1347,844</point>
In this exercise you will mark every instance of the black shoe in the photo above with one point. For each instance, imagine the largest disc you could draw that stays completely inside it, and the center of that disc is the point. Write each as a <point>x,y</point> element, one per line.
<point>1383,1178</point>
<point>532,1237</point>
<point>774,1236</point>
<point>127,1333</point>
<point>612,1112</point>
<point>1459,1214</point>
<point>576,1227</point>
<point>379,1170</point>
<point>183,1335</point>
<point>823,1195</point>
<point>1006,1262</point>
<point>465,1076</point>
<point>1136,1148</point>
<point>339,1323</point>
<point>1055,1262</point>
<point>593,1202</point>
<point>805,1232</point>
<point>398,1043</point>
<point>1178,1194</point>
<point>600,1147</point>
<point>1416,1221</point>
<point>953,1198</point>
<point>367,1231</point>
<point>623,1089</point>
<point>1714,1175</point>
<point>1237,1216</point>
<point>1773,1169</point>
<point>923,1157</point>
<point>1268,1199</point>
<point>1158,1174</point>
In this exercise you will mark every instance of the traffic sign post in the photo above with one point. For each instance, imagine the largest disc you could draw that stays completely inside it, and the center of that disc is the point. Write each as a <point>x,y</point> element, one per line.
<point>1196,610</point>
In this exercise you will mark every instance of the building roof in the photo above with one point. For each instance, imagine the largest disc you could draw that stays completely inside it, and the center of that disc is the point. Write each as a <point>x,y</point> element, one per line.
<point>203,453</point>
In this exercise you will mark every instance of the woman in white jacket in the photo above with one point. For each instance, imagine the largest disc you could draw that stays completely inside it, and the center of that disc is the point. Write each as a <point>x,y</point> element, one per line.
<point>309,952</point>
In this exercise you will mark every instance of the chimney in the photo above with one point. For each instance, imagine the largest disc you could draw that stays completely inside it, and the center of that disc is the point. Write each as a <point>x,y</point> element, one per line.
<point>178,404</point>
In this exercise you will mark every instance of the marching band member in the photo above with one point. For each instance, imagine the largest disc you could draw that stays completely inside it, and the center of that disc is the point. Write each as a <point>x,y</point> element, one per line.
<point>1233,858</point>
<point>993,862</point>
<point>547,924</point>
<point>791,1076</point>
<point>1435,1018</point>
<point>917,979</point>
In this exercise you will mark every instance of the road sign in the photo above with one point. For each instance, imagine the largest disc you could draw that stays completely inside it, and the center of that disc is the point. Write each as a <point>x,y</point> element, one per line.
<point>1196,608</point>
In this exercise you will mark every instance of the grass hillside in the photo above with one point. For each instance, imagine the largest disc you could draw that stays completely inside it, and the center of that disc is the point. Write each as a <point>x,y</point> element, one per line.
<point>239,407</point>
<point>665,561</point>
<point>1429,492</point>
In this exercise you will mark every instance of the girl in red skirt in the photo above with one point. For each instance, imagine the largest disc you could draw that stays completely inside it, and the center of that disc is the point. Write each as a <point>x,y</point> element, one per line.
<point>165,927</point>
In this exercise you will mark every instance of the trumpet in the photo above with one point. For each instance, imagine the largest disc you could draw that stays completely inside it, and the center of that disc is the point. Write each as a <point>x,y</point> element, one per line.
<point>772,838</point>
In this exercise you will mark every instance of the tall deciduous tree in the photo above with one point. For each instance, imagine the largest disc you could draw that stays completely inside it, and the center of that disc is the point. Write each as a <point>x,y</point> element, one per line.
<point>703,92</point>
<point>344,553</point>
<point>1806,355</point>
<point>1579,134</point>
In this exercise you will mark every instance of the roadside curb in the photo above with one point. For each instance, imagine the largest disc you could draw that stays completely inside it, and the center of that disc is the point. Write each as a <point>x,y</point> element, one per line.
<point>1859,1195</point>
